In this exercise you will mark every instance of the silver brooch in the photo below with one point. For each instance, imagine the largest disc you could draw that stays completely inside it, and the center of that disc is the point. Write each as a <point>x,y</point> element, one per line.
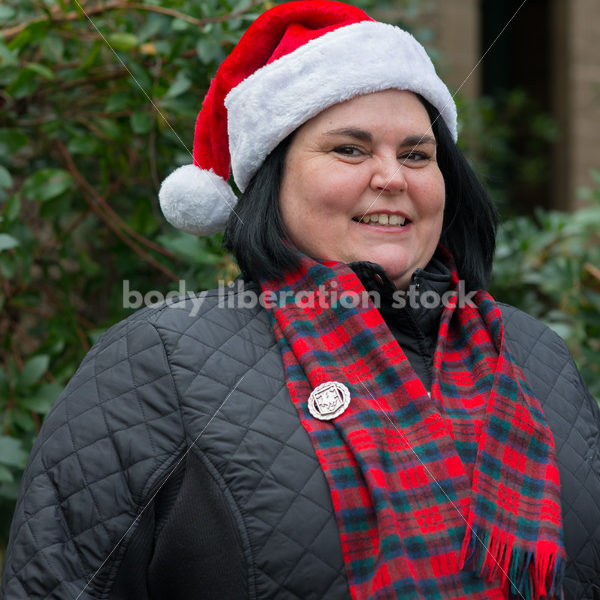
<point>328,400</point>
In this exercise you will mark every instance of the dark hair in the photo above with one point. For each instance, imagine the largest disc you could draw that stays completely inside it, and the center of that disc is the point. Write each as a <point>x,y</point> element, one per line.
<point>256,235</point>
<point>470,217</point>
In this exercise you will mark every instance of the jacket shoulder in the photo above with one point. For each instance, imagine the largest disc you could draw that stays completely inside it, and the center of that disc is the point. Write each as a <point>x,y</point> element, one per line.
<point>545,358</point>
<point>526,332</point>
<point>549,367</point>
<point>113,435</point>
<point>573,416</point>
<point>233,310</point>
<point>110,436</point>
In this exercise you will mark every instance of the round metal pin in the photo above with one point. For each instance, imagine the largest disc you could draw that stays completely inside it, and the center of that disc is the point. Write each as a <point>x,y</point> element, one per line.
<point>328,400</point>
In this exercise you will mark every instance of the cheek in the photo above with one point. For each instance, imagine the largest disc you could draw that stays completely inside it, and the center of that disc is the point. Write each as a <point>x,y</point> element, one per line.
<point>291,216</point>
<point>433,195</point>
<point>291,195</point>
<point>321,193</point>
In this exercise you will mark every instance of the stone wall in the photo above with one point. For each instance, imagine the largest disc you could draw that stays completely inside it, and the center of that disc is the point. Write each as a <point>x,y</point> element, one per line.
<point>577,96</point>
<point>575,41</point>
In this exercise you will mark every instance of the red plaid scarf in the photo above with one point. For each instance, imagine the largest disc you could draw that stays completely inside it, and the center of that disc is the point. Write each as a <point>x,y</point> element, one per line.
<point>453,496</point>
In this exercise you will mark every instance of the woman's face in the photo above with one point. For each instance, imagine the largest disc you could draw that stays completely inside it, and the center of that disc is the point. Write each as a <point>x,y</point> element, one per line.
<point>361,183</point>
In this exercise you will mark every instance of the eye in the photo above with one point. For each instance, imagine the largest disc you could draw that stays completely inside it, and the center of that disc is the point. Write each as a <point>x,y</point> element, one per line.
<point>414,156</point>
<point>350,151</point>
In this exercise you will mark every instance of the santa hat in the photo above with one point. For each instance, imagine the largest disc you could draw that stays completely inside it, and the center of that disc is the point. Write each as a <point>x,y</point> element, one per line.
<point>293,62</point>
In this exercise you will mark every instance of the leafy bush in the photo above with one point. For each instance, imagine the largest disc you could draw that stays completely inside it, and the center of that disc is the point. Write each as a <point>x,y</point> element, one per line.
<point>93,115</point>
<point>508,136</point>
<point>549,266</point>
<point>86,136</point>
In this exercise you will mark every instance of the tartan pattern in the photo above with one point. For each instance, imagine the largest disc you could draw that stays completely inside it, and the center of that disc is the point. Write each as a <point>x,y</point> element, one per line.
<point>453,496</point>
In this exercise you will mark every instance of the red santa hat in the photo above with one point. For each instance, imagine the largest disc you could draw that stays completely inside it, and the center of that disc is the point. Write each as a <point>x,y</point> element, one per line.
<point>293,62</point>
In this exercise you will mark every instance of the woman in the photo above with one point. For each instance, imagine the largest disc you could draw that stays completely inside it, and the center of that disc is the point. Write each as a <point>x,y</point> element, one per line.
<point>373,425</point>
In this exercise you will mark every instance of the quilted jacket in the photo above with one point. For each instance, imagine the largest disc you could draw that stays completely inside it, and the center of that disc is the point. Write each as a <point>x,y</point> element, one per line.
<point>200,388</point>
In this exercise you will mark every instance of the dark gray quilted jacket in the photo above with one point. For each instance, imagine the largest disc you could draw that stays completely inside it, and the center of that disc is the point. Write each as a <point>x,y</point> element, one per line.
<point>168,392</point>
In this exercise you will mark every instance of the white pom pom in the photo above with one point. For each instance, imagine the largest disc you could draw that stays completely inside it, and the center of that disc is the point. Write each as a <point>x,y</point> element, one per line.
<point>196,201</point>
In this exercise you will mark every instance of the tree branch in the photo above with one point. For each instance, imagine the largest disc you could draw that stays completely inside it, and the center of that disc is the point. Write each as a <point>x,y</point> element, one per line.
<point>57,17</point>
<point>592,270</point>
<point>108,215</point>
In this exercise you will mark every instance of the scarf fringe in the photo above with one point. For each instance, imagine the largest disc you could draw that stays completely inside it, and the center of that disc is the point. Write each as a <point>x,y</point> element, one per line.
<point>525,574</point>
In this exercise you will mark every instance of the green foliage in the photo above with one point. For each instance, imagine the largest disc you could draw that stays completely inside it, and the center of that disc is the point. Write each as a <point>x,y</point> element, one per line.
<point>87,132</point>
<point>88,122</point>
<point>94,113</point>
<point>507,137</point>
<point>549,266</point>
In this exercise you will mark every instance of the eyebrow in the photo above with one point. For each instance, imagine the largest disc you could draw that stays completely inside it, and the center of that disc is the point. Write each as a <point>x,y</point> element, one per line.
<point>359,134</point>
<point>418,140</point>
<point>365,136</point>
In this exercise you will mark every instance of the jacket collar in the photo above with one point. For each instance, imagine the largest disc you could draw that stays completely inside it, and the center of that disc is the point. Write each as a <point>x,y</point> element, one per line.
<point>417,303</point>
<point>396,305</point>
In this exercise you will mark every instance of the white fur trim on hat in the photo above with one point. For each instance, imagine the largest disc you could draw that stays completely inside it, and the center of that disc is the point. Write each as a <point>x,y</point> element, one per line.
<point>357,59</point>
<point>196,201</point>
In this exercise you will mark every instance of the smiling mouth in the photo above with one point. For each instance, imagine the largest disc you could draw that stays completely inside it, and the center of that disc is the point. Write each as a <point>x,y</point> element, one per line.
<point>382,219</point>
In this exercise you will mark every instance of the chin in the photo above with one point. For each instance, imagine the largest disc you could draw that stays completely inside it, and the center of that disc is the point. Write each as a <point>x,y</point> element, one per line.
<point>394,270</point>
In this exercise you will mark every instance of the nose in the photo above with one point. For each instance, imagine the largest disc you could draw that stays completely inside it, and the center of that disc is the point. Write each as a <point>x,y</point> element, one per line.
<point>388,175</point>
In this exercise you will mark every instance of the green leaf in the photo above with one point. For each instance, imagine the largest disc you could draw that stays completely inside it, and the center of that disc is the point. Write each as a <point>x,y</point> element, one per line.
<point>142,76</point>
<point>208,49</point>
<point>95,334</point>
<point>120,100</point>
<point>40,70</point>
<point>11,452</point>
<point>109,128</point>
<point>8,266</point>
<point>5,178</point>
<point>5,474</point>
<point>83,144</point>
<point>179,25</point>
<point>7,57</point>
<point>56,208</point>
<point>585,217</point>
<point>141,122</point>
<point>93,54</point>
<point>9,491</point>
<point>122,41</point>
<point>20,40</point>
<point>47,184</point>
<point>54,47</point>
<point>11,141</point>
<point>241,6</point>
<point>33,370</point>
<point>24,85</point>
<point>43,399</point>
<point>180,84</point>
<point>6,12</point>
<point>151,28</point>
<point>8,75</point>
<point>7,242</point>
<point>188,247</point>
<point>87,265</point>
<point>3,386</point>
<point>38,30</point>
<point>564,330</point>
<point>22,419</point>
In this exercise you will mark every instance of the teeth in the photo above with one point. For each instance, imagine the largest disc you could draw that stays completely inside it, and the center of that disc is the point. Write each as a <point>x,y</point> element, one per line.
<point>383,219</point>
